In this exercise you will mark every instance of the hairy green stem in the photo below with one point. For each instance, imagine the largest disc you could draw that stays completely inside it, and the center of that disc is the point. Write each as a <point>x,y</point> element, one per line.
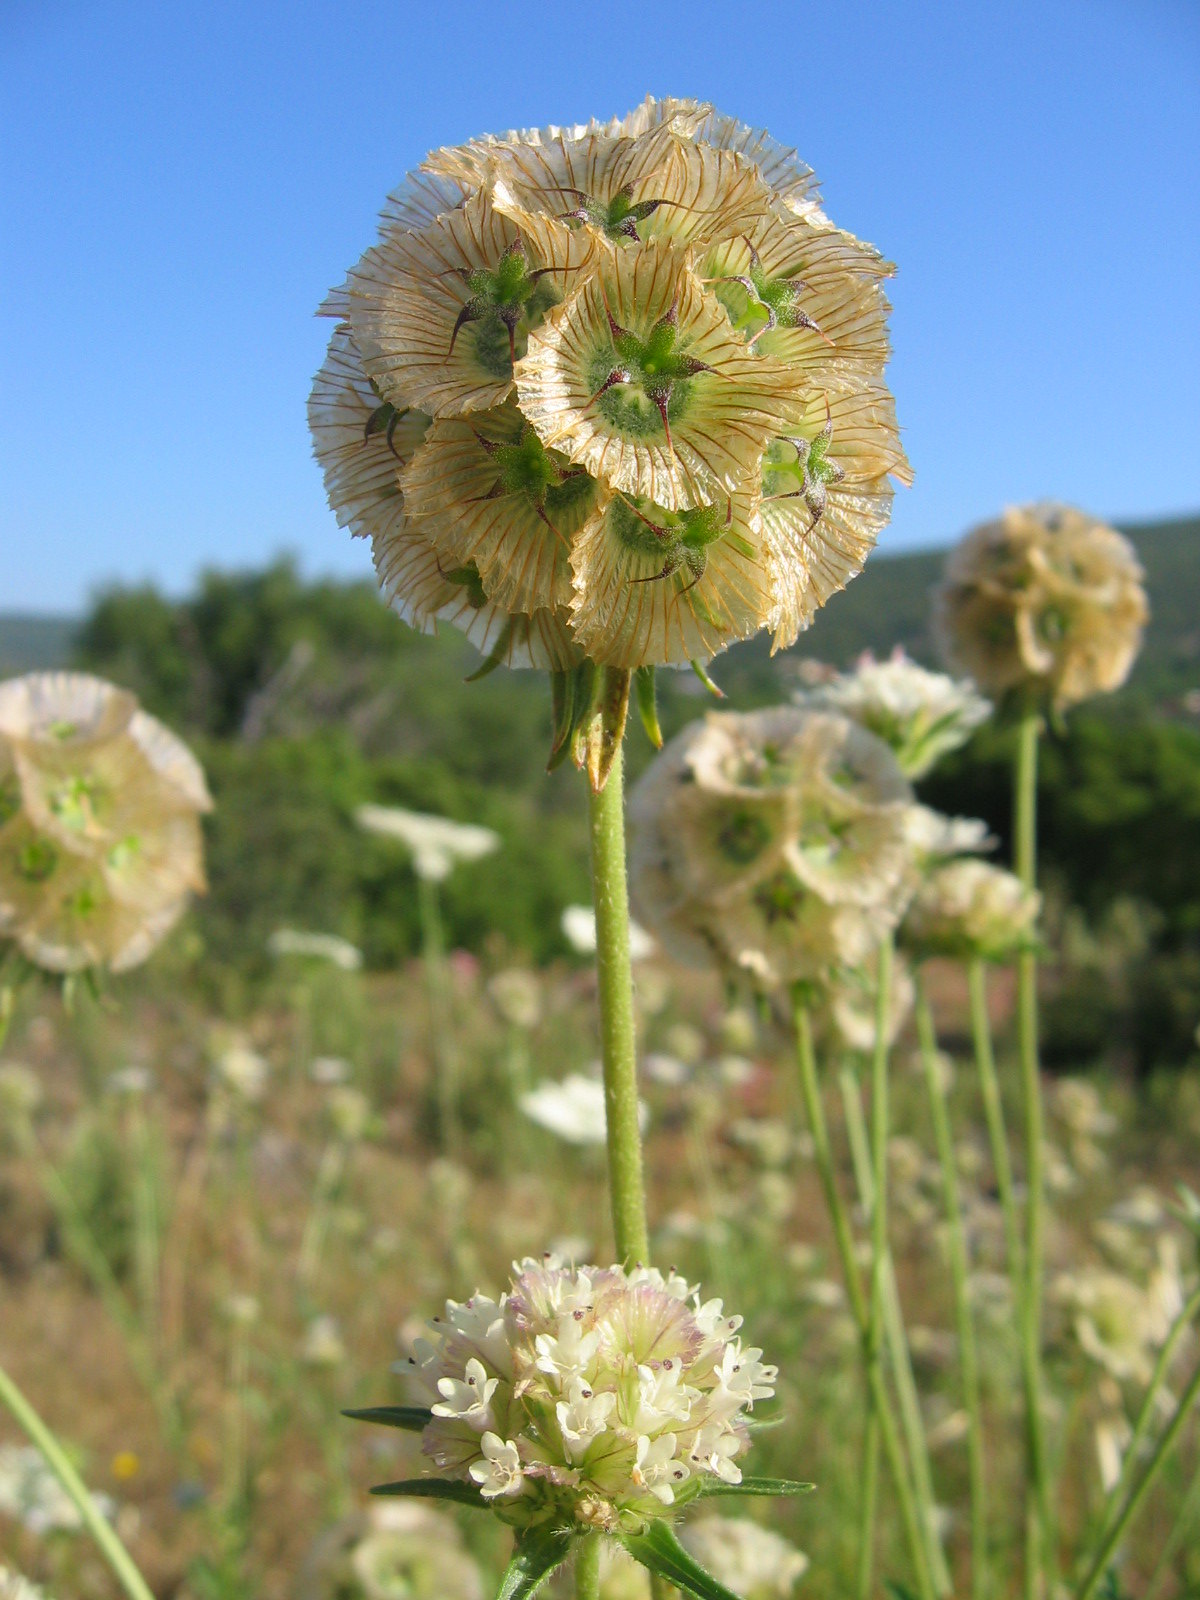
<point>101,1530</point>
<point>911,1420</point>
<point>968,1356</point>
<point>1037,1524</point>
<point>587,1567</point>
<point>614,972</point>
<point>1141,1489</point>
<point>844,1238</point>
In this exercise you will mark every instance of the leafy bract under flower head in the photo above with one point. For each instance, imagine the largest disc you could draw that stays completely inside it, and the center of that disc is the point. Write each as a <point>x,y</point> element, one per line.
<point>100,843</point>
<point>1046,602</point>
<point>610,391</point>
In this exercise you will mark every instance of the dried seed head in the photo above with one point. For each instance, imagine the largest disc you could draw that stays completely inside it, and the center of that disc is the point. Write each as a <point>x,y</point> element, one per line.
<point>647,318</point>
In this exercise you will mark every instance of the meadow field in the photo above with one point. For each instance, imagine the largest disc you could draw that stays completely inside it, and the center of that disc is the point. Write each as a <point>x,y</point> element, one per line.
<point>235,1184</point>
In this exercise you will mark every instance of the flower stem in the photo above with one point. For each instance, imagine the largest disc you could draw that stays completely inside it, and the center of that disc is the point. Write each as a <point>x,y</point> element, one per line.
<point>1025,859</point>
<point>627,1195</point>
<point>445,1066</point>
<point>587,1567</point>
<point>993,1111</point>
<point>1183,1522</point>
<point>843,1235</point>
<point>1139,1492</point>
<point>879,1250</point>
<point>897,1341</point>
<point>101,1530</point>
<point>967,1352</point>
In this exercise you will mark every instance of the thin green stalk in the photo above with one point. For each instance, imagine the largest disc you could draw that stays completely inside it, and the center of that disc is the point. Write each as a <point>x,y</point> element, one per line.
<point>330,1172</point>
<point>91,1258</point>
<point>860,1158</point>
<point>587,1567</point>
<point>1141,1427</point>
<point>1140,1490</point>
<point>843,1235</point>
<point>993,1110</point>
<point>442,1053</point>
<point>1183,1523</point>
<point>1038,1531</point>
<point>614,972</point>
<point>239,1372</point>
<point>879,1250</point>
<point>102,1531</point>
<point>967,1352</point>
<point>147,1249</point>
<point>911,1420</point>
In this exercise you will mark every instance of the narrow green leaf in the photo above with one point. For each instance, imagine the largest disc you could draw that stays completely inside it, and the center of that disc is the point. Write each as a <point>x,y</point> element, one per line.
<point>536,1554</point>
<point>465,1494</point>
<point>660,1552</point>
<point>413,1419</point>
<point>702,673</point>
<point>562,693</point>
<point>756,1486</point>
<point>647,704</point>
<point>763,1424</point>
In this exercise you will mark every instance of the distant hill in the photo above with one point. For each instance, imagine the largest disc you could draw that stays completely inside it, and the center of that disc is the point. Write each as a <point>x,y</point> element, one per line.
<point>31,643</point>
<point>887,606</point>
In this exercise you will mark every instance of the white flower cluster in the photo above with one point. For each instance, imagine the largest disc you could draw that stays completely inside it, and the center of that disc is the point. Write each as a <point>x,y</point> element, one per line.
<point>753,1561</point>
<point>1121,1324</point>
<point>591,1396</point>
<point>14,1587</point>
<point>318,946</point>
<point>921,714</point>
<point>436,843</point>
<point>573,1109</point>
<point>971,908</point>
<point>33,1496</point>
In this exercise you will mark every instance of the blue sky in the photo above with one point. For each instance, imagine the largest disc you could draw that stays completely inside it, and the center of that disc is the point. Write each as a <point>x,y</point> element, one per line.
<point>186,180</point>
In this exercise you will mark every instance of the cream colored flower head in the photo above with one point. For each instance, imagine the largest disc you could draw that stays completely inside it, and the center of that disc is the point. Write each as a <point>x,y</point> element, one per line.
<point>1120,1324</point>
<point>774,843</point>
<point>328,947</point>
<point>750,1560</point>
<point>971,908</point>
<point>589,1397</point>
<point>922,715</point>
<point>935,838</point>
<point>420,1557</point>
<point>14,1587</point>
<point>100,842</point>
<point>1045,602</point>
<point>611,391</point>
